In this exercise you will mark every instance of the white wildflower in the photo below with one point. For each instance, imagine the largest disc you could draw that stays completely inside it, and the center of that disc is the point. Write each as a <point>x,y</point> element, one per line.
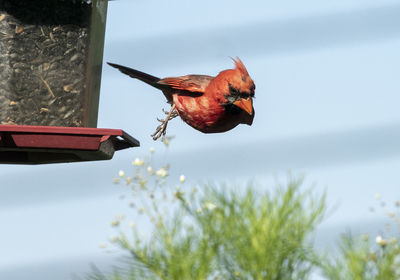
<point>380,241</point>
<point>138,162</point>
<point>121,173</point>
<point>116,180</point>
<point>209,206</point>
<point>115,223</point>
<point>162,172</point>
<point>114,239</point>
<point>150,170</point>
<point>152,150</point>
<point>182,178</point>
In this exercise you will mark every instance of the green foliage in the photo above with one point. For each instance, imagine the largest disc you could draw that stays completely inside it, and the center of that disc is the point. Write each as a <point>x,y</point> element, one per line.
<point>220,235</point>
<point>359,260</point>
<point>215,233</point>
<point>222,232</point>
<point>258,235</point>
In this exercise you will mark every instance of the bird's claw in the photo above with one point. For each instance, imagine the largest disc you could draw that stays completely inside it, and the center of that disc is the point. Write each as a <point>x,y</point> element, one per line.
<point>172,115</point>
<point>161,130</point>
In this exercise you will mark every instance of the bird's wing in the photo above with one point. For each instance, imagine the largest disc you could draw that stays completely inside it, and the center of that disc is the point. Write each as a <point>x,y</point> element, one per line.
<point>192,83</point>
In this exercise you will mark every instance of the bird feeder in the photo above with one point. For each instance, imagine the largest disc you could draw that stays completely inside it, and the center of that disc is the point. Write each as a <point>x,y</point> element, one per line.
<point>51,54</point>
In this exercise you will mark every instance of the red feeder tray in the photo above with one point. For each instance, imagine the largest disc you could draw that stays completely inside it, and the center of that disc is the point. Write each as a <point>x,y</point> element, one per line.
<point>26,144</point>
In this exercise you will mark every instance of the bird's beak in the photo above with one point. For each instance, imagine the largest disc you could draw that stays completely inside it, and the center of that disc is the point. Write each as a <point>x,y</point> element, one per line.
<point>245,105</point>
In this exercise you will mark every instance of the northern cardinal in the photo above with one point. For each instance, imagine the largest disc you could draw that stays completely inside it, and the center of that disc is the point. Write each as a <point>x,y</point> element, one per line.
<point>208,104</point>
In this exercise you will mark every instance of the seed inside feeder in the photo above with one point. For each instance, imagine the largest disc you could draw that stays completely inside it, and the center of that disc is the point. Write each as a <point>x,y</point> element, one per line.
<point>44,46</point>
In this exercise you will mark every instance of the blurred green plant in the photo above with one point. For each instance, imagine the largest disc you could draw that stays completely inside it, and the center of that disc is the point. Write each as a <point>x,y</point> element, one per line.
<point>261,235</point>
<point>362,258</point>
<point>227,232</point>
<point>358,259</point>
<point>214,232</point>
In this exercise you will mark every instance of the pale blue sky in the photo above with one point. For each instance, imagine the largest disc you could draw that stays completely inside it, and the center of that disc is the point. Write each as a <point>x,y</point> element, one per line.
<point>326,106</point>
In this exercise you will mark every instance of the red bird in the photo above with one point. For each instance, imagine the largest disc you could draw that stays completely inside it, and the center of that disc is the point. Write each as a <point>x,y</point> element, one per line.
<point>208,104</point>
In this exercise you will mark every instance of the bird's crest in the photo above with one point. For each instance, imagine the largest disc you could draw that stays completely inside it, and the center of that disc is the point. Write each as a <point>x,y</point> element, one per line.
<point>240,66</point>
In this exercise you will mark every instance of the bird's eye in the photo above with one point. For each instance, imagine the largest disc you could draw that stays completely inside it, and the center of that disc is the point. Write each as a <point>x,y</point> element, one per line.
<point>233,91</point>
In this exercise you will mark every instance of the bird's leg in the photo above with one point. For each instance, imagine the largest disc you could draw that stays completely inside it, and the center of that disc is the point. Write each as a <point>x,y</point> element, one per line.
<point>161,130</point>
